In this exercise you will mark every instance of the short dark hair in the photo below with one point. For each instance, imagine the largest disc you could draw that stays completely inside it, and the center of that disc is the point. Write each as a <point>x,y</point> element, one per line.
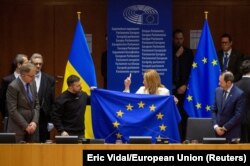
<point>177,31</point>
<point>245,67</point>
<point>72,79</point>
<point>228,76</point>
<point>228,36</point>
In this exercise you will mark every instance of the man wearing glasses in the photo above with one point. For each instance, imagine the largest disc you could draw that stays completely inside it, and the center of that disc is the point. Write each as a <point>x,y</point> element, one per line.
<point>46,91</point>
<point>23,105</point>
<point>229,58</point>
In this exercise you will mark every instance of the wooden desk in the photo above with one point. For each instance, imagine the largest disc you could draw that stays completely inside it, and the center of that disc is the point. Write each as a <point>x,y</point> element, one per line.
<point>71,154</point>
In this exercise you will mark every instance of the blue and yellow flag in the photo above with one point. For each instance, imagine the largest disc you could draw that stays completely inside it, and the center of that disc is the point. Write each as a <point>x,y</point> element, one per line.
<point>118,115</point>
<point>81,64</point>
<point>204,77</point>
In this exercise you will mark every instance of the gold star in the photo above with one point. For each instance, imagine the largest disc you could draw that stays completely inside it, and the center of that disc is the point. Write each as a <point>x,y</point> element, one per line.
<point>141,104</point>
<point>208,108</point>
<point>118,135</point>
<point>204,60</point>
<point>129,107</point>
<point>152,107</point>
<point>116,124</point>
<point>119,113</point>
<point>194,65</point>
<point>159,116</point>
<point>214,62</point>
<point>190,98</point>
<point>163,127</point>
<point>198,105</point>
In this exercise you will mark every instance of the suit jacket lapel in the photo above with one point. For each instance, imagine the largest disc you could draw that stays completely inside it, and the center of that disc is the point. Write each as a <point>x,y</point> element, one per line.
<point>42,89</point>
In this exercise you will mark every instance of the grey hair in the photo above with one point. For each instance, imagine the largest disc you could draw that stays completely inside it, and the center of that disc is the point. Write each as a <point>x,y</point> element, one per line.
<point>36,55</point>
<point>19,59</point>
<point>26,68</point>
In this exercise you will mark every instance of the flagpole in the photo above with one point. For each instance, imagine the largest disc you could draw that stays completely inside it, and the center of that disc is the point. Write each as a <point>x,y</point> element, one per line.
<point>79,15</point>
<point>206,13</point>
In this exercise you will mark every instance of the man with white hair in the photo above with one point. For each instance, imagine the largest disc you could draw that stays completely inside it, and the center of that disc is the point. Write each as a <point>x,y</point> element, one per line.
<point>46,92</point>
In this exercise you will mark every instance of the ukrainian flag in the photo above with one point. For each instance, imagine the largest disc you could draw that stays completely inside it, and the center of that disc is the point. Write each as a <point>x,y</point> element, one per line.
<point>81,64</point>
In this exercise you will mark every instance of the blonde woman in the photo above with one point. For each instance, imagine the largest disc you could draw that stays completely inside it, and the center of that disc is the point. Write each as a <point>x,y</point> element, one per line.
<point>152,84</point>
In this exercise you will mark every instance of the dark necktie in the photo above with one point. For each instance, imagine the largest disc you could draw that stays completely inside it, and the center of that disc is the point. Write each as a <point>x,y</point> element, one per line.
<point>225,61</point>
<point>224,97</point>
<point>29,94</point>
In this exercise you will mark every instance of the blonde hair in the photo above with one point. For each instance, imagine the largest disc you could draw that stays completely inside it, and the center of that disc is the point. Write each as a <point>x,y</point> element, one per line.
<point>152,81</point>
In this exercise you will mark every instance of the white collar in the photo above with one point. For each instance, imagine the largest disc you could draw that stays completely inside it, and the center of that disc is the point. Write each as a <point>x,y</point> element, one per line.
<point>229,89</point>
<point>228,52</point>
<point>246,76</point>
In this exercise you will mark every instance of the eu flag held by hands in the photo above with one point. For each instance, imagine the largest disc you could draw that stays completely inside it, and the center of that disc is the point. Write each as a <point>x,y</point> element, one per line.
<point>118,115</point>
<point>80,63</point>
<point>204,77</point>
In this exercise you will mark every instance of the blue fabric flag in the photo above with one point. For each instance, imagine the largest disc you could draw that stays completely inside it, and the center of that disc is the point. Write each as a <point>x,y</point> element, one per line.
<point>118,115</point>
<point>204,77</point>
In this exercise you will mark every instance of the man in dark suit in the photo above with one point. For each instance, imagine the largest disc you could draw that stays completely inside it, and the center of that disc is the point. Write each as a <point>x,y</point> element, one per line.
<point>20,59</point>
<point>229,58</point>
<point>228,108</point>
<point>244,85</point>
<point>23,105</point>
<point>182,64</point>
<point>46,92</point>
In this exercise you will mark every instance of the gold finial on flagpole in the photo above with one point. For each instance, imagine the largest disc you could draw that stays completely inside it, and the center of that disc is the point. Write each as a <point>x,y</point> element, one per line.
<point>206,13</point>
<point>79,15</point>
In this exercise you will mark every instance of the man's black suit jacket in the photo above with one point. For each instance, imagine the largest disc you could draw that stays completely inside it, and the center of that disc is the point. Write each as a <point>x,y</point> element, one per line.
<point>46,93</point>
<point>4,85</point>
<point>235,60</point>
<point>243,84</point>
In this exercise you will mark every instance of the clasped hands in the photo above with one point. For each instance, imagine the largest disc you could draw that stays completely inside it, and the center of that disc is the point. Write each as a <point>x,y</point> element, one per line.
<point>220,130</point>
<point>31,128</point>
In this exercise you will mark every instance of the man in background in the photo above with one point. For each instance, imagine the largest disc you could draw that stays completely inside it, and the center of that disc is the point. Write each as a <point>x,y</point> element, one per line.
<point>229,58</point>
<point>19,60</point>
<point>244,85</point>
<point>46,92</point>
<point>182,65</point>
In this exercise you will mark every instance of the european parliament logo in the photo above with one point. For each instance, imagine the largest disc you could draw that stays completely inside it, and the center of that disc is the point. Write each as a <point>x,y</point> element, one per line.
<point>141,14</point>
